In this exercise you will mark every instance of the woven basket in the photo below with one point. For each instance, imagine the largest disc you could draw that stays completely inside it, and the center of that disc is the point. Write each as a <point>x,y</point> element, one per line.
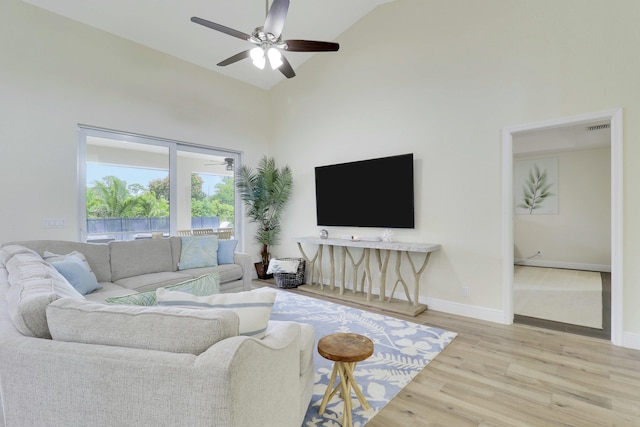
<point>290,280</point>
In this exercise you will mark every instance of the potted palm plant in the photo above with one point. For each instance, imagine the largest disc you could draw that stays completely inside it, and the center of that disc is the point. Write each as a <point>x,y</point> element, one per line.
<point>265,192</point>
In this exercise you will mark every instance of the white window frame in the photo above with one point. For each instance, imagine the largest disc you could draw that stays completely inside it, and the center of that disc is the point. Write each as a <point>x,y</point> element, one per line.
<point>85,131</point>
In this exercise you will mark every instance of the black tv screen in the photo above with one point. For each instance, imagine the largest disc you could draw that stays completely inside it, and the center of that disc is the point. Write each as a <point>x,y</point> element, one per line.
<point>367,193</point>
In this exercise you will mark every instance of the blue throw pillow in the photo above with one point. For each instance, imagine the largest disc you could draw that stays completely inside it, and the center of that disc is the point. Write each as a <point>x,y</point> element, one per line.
<point>77,274</point>
<point>198,251</point>
<point>226,248</point>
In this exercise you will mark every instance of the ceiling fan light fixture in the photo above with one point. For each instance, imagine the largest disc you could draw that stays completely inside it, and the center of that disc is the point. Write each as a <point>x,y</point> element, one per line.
<point>257,56</point>
<point>275,58</point>
<point>268,40</point>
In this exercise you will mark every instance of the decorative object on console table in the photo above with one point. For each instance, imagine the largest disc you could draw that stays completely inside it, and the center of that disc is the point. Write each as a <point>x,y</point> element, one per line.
<point>265,193</point>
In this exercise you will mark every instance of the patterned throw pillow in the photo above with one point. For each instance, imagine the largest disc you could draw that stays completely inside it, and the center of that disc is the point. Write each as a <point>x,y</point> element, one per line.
<point>283,266</point>
<point>143,298</point>
<point>207,284</point>
<point>198,251</point>
<point>252,307</point>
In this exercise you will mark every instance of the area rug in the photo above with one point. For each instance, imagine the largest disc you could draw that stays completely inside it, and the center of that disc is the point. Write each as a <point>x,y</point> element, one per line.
<point>567,296</point>
<point>401,350</point>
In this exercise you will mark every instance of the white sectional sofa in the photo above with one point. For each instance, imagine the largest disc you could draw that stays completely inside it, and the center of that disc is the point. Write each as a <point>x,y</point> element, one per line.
<point>160,366</point>
<point>143,265</point>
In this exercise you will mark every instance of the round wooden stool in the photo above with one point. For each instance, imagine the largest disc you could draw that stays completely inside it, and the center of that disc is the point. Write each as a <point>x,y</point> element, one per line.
<point>345,350</point>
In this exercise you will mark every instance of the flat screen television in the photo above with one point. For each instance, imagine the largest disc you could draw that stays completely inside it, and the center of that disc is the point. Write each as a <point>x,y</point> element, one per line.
<point>367,193</point>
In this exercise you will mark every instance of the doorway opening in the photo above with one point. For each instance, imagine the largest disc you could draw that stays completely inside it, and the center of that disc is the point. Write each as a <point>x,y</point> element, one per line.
<point>513,143</point>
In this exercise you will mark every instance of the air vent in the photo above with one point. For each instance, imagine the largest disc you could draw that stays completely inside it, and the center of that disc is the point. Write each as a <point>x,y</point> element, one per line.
<point>598,127</point>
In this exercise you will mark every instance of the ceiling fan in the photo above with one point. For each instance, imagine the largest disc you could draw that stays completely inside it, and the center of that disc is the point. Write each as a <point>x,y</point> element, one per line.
<point>268,40</point>
<point>228,162</point>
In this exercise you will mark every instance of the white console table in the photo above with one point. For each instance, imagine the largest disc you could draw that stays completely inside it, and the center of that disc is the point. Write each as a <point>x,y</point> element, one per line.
<point>383,251</point>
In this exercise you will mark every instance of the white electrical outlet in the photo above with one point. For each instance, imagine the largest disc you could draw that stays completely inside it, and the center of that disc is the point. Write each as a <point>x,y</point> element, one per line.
<point>465,291</point>
<point>53,223</point>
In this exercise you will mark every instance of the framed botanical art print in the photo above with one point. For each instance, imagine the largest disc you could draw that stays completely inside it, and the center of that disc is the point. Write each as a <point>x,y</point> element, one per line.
<point>535,186</point>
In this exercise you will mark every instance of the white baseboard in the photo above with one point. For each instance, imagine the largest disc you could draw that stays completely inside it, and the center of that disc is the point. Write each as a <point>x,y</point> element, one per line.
<point>560,264</point>
<point>631,340</point>
<point>466,310</point>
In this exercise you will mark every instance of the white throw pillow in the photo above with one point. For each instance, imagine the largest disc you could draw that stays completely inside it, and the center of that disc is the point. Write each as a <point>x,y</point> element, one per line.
<point>51,257</point>
<point>253,308</point>
<point>282,266</point>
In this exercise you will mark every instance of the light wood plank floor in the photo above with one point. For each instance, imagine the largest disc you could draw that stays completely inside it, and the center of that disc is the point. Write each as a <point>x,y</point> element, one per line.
<point>516,375</point>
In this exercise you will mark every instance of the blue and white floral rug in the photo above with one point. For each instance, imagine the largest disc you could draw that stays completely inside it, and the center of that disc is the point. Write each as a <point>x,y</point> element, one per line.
<point>401,350</point>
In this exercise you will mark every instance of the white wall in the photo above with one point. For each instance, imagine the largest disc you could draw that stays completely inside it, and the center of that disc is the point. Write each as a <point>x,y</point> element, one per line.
<point>579,235</point>
<point>56,73</point>
<point>441,80</point>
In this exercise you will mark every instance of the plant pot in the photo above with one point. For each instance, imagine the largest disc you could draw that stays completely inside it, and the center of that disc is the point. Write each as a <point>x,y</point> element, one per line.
<point>261,270</point>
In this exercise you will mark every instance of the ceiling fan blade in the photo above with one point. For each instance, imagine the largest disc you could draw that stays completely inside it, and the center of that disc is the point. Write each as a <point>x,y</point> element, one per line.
<point>276,17</point>
<point>286,68</point>
<point>310,46</point>
<point>235,58</point>
<point>221,28</point>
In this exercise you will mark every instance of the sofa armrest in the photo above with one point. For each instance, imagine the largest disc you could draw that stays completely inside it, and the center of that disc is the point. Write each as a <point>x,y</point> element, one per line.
<point>244,260</point>
<point>240,381</point>
<point>263,380</point>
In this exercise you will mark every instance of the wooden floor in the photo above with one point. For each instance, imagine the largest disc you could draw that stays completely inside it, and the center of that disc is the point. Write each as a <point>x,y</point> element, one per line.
<point>516,375</point>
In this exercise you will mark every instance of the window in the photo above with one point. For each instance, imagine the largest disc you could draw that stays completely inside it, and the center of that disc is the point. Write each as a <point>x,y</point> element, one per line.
<point>136,187</point>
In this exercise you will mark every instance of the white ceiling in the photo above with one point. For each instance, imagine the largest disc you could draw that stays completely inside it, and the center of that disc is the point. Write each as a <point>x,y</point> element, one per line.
<point>165,25</point>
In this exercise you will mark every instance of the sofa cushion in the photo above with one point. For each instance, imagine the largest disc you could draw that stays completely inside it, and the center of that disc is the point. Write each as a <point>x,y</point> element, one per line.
<point>29,266</point>
<point>33,284</point>
<point>227,272</point>
<point>307,347</point>
<point>253,308</point>
<point>171,329</point>
<point>97,254</point>
<point>108,290</point>
<point>226,248</point>
<point>198,251</point>
<point>176,248</point>
<point>152,281</point>
<point>7,252</point>
<point>136,257</point>
<point>208,284</point>
<point>28,299</point>
<point>77,274</point>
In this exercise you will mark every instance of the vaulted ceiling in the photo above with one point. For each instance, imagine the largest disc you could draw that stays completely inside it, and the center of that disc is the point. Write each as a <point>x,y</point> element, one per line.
<point>165,25</point>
